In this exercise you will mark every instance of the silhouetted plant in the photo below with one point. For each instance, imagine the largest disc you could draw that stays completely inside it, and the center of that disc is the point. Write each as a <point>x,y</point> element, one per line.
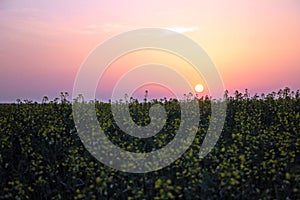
<point>256,157</point>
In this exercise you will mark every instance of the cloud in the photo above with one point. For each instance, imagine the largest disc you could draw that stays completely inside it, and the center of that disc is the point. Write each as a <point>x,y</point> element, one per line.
<point>113,27</point>
<point>182,29</point>
<point>109,28</point>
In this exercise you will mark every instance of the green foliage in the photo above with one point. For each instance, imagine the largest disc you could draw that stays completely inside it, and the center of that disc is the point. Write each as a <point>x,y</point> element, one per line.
<point>257,155</point>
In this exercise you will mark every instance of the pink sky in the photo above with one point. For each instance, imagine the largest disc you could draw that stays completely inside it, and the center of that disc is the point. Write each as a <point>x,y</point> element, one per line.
<point>254,44</point>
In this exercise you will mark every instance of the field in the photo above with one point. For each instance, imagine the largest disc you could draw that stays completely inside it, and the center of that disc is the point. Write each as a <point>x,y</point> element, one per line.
<point>256,157</point>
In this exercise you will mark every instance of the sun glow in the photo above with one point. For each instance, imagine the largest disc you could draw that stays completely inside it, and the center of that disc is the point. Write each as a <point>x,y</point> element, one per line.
<point>199,88</point>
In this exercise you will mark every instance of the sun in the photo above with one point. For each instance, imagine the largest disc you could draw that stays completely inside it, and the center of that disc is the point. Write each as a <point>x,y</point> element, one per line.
<point>199,88</point>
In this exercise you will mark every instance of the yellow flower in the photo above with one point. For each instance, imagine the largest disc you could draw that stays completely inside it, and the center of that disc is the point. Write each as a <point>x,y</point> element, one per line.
<point>98,180</point>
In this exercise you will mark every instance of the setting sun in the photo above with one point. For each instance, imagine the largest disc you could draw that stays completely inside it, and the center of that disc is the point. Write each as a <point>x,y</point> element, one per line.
<point>199,88</point>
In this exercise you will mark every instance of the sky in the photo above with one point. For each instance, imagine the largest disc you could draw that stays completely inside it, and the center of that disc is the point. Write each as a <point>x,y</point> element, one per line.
<point>254,44</point>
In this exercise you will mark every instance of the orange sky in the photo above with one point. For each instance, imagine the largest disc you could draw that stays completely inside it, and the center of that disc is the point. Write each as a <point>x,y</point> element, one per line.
<point>254,44</point>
